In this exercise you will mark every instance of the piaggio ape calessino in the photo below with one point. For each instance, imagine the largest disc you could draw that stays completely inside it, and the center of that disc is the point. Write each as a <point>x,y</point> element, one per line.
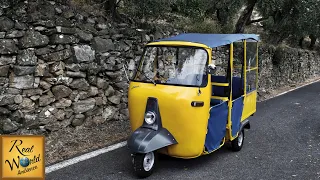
<point>190,94</point>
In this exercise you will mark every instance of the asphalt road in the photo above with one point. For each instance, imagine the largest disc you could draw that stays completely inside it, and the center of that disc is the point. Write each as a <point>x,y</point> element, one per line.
<point>283,143</point>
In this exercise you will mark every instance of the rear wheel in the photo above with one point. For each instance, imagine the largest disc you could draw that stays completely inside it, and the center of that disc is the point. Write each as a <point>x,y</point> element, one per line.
<point>143,164</point>
<point>237,143</point>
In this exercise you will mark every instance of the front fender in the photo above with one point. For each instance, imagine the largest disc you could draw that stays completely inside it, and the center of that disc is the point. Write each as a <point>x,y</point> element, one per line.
<point>145,140</point>
<point>245,124</point>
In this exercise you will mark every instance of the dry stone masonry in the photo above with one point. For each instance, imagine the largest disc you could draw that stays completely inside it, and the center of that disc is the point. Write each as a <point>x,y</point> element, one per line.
<point>285,66</point>
<point>60,67</point>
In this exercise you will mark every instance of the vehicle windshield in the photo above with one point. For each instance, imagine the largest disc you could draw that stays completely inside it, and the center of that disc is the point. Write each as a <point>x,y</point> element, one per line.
<point>184,66</point>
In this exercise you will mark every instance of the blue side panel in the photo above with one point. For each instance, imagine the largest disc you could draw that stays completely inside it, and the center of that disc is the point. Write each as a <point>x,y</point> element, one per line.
<point>237,87</point>
<point>237,107</point>
<point>216,126</point>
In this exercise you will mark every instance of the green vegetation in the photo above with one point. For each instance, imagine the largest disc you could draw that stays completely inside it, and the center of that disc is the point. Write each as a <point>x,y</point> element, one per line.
<point>277,21</point>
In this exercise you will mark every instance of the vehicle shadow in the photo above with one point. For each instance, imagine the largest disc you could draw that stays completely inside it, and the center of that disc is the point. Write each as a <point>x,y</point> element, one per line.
<point>164,160</point>
<point>167,165</point>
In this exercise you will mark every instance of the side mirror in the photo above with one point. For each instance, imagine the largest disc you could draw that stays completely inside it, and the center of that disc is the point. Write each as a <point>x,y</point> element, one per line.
<point>211,69</point>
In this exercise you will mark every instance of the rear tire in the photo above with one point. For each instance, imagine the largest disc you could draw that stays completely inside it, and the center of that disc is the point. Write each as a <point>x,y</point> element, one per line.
<point>237,143</point>
<point>144,164</point>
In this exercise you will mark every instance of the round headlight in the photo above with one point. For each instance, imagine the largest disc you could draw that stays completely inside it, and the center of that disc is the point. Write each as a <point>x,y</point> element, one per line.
<point>150,117</point>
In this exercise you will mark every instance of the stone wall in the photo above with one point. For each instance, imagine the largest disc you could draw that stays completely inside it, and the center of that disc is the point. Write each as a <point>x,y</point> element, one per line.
<point>61,67</point>
<point>285,66</point>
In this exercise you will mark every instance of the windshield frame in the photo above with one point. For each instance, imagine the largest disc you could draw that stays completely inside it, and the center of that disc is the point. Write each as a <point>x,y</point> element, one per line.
<point>168,45</point>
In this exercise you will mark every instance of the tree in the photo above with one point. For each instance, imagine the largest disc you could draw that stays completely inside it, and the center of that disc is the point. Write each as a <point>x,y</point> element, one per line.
<point>150,8</point>
<point>245,16</point>
<point>281,19</point>
<point>111,7</point>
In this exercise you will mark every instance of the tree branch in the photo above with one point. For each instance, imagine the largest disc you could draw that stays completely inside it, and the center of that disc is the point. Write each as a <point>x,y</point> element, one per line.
<point>257,20</point>
<point>118,3</point>
<point>245,16</point>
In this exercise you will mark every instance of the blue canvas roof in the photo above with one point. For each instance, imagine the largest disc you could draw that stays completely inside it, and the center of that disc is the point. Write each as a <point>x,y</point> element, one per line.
<point>211,40</point>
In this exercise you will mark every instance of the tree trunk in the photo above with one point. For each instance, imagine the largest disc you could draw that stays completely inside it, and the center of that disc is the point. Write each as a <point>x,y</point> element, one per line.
<point>111,7</point>
<point>245,16</point>
<point>112,4</point>
<point>313,41</point>
<point>256,20</point>
<point>300,42</point>
<point>219,15</point>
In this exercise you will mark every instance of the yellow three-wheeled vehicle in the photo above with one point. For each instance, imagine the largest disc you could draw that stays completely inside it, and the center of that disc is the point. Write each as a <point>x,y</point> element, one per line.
<point>190,94</point>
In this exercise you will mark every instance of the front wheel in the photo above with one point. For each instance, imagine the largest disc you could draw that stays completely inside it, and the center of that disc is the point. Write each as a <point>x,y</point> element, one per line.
<point>143,164</point>
<point>237,143</point>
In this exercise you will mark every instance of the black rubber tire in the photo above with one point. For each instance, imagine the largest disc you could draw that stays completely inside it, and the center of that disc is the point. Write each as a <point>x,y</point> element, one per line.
<point>235,145</point>
<point>137,161</point>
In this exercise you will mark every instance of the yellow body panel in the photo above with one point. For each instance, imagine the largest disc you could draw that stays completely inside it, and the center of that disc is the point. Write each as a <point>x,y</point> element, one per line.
<point>220,98</point>
<point>177,43</point>
<point>186,123</point>
<point>229,124</point>
<point>250,99</point>
<point>219,84</point>
<point>255,68</point>
<point>250,105</point>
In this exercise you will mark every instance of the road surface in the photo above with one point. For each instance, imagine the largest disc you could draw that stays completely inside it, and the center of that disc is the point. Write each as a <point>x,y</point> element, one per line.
<point>283,143</point>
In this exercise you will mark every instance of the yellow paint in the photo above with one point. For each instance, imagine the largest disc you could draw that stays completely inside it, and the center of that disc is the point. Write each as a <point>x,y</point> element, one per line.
<point>257,65</point>
<point>249,107</point>
<point>220,98</point>
<point>186,123</point>
<point>177,43</point>
<point>252,69</point>
<point>250,99</point>
<point>229,124</point>
<point>219,84</point>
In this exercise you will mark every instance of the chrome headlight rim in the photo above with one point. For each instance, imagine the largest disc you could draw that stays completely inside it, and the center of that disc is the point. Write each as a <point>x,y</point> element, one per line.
<point>150,117</point>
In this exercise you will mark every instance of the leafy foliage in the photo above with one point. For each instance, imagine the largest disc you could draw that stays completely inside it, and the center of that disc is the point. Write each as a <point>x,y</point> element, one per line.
<point>148,8</point>
<point>281,19</point>
<point>296,18</point>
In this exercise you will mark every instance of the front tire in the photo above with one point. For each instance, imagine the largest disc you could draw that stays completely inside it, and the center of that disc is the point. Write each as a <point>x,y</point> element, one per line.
<point>144,164</point>
<point>237,143</point>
